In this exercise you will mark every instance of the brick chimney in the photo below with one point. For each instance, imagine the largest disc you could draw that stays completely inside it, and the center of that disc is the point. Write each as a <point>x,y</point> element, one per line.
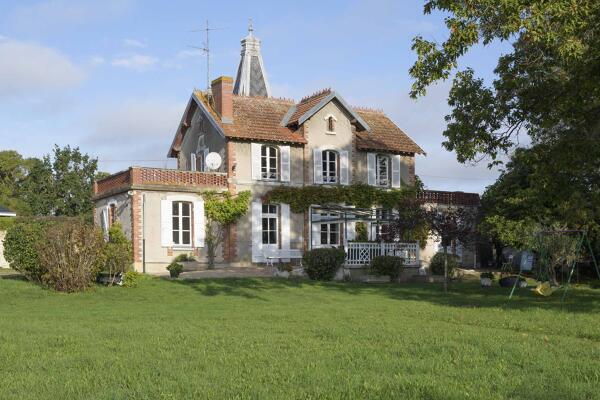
<point>222,91</point>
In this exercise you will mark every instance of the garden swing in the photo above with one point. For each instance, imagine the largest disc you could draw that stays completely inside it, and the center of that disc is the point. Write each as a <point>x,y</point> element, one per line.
<point>558,248</point>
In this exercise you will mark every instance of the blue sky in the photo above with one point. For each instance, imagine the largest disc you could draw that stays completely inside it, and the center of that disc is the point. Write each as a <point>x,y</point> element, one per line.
<point>113,76</point>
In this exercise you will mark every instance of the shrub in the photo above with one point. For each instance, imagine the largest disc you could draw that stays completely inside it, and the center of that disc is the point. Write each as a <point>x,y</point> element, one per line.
<point>21,245</point>
<point>184,257</point>
<point>488,275</point>
<point>72,255</point>
<point>437,264</point>
<point>175,269</point>
<point>131,278</point>
<point>387,265</point>
<point>322,264</point>
<point>287,267</point>
<point>117,252</point>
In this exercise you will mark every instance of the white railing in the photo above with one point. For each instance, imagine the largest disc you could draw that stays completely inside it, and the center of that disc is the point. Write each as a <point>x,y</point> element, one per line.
<point>361,253</point>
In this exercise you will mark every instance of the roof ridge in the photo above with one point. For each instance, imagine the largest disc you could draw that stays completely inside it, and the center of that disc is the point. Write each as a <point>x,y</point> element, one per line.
<point>315,94</point>
<point>287,100</point>
<point>368,109</point>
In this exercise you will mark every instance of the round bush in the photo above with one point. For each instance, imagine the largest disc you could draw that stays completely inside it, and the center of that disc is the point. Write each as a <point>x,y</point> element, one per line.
<point>437,264</point>
<point>21,245</point>
<point>322,264</point>
<point>387,265</point>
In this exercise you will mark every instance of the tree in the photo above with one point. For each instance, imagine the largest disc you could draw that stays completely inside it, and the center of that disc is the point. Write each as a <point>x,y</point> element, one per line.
<point>13,172</point>
<point>222,210</point>
<point>451,224</point>
<point>61,185</point>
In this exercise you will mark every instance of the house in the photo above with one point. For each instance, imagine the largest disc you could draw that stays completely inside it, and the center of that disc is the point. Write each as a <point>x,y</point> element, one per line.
<point>4,214</point>
<point>264,143</point>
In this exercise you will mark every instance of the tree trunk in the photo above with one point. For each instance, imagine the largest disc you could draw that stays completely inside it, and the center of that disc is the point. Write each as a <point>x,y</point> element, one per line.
<point>445,268</point>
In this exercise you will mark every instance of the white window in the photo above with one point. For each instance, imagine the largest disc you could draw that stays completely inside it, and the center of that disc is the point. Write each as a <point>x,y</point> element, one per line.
<point>382,228</point>
<point>182,223</point>
<point>269,224</point>
<point>330,232</point>
<point>383,170</point>
<point>330,166</point>
<point>269,160</point>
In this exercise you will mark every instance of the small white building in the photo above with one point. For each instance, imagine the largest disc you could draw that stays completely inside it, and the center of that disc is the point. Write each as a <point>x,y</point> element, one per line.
<point>4,213</point>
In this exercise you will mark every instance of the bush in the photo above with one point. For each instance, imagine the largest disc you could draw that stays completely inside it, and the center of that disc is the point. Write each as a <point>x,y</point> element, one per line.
<point>184,257</point>
<point>21,245</point>
<point>117,252</point>
<point>175,269</point>
<point>488,275</point>
<point>387,265</point>
<point>322,264</point>
<point>131,278</point>
<point>437,264</point>
<point>72,255</point>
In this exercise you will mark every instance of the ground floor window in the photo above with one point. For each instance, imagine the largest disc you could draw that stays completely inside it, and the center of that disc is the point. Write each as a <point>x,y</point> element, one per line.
<point>182,223</point>
<point>330,233</point>
<point>270,224</point>
<point>382,227</point>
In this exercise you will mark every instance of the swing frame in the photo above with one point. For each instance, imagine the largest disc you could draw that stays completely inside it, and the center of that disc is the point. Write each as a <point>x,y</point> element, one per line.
<point>582,240</point>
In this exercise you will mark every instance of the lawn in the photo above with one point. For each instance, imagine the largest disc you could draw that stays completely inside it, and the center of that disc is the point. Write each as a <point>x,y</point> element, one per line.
<point>253,338</point>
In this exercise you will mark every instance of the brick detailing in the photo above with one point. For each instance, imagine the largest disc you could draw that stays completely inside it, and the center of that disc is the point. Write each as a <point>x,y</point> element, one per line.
<point>411,170</point>
<point>170,251</point>
<point>222,90</point>
<point>157,176</point>
<point>230,242</point>
<point>231,166</point>
<point>450,198</point>
<point>136,226</point>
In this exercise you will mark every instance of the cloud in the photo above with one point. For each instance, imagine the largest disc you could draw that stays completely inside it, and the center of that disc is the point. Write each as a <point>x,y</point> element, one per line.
<point>96,60</point>
<point>134,43</point>
<point>136,62</point>
<point>61,14</point>
<point>30,68</point>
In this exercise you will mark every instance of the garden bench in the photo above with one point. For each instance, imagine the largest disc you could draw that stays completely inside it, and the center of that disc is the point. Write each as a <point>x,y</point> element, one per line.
<point>272,255</point>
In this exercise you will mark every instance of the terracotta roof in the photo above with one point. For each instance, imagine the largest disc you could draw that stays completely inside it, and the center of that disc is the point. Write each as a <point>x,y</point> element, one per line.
<point>306,104</point>
<point>384,135</point>
<point>259,118</point>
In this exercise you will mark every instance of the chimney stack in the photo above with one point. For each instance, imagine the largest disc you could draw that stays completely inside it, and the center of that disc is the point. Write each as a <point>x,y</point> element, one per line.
<point>222,91</point>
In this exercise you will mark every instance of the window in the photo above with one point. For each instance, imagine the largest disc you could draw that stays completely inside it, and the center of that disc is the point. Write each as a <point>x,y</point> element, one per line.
<point>330,166</point>
<point>200,162</point>
<point>182,223</point>
<point>383,170</point>
<point>268,163</point>
<point>330,233</point>
<point>382,229</point>
<point>269,224</point>
<point>112,214</point>
<point>330,124</point>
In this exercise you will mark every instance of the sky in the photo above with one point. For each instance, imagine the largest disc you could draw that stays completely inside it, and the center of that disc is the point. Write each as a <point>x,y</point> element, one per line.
<point>114,76</point>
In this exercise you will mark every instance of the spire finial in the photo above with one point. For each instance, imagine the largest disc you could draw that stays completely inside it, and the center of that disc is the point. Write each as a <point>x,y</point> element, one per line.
<point>250,27</point>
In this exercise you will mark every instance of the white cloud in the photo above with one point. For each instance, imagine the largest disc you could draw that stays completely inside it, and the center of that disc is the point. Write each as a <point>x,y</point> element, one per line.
<point>30,68</point>
<point>97,60</point>
<point>137,62</point>
<point>134,43</point>
<point>60,14</point>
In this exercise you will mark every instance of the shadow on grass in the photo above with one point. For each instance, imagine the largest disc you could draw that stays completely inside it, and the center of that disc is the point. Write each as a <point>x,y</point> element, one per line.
<point>461,294</point>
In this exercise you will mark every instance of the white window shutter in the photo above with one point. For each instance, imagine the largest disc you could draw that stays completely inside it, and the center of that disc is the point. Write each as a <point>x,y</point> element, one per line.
<point>350,231</point>
<point>344,170</point>
<point>396,160</point>
<point>255,153</point>
<point>199,224</point>
<point>371,169</point>
<point>257,255</point>
<point>205,153</point>
<point>318,165</point>
<point>166,223</point>
<point>285,228</point>
<point>193,162</point>
<point>104,221</point>
<point>316,230</point>
<point>284,153</point>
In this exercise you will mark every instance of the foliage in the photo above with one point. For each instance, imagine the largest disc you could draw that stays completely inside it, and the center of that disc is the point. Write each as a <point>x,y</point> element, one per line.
<point>175,269</point>
<point>222,210</point>
<point>410,222</point>
<point>6,223</point>
<point>387,265</point>
<point>21,247</point>
<point>13,172</point>
<point>436,265</point>
<point>452,223</point>
<point>322,264</point>
<point>131,278</point>
<point>61,185</point>
<point>285,267</point>
<point>362,235</point>
<point>185,257</point>
<point>487,275</point>
<point>117,252</point>
<point>71,254</point>
<point>555,250</point>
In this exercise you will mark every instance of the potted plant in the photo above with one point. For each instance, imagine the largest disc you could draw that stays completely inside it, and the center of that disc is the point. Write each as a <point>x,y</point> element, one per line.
<point>283,270</point>
<point>175,269</point>
<point>486,278</point>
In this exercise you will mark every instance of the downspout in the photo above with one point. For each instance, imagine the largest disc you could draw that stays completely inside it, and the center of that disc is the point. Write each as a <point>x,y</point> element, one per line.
<point>144,233</point>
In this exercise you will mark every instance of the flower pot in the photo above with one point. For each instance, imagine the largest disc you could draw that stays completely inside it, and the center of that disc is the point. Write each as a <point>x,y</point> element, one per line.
<point>486,282</point>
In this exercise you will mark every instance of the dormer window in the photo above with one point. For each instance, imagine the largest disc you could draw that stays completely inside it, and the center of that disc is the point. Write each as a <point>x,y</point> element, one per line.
<point>330,166</point>
<point>330,121</point>
<point>383,170</point>
<point>268,163</point>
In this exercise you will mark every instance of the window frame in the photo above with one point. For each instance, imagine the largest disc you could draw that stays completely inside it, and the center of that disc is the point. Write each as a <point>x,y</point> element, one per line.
<point>112,214</point>
<point>326,229</point>
<point>177,233</point>
<point>382,229</point>
<point>378,177</point>
<point>326,167</point>
<point>266,172</point>
<point>271,214</point>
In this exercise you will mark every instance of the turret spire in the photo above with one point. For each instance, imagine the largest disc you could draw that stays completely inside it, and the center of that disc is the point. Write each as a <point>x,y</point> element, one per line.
<point>251,78</point>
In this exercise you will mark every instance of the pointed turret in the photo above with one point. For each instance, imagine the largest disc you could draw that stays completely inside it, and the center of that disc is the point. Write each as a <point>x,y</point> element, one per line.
<point>251,78</point>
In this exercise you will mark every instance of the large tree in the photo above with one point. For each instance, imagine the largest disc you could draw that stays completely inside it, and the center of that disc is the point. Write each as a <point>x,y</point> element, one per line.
<point>546,88</point>
<point>13,172</point>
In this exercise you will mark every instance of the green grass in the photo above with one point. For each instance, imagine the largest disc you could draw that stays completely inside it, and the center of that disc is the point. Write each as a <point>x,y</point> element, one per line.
<point>252,338</point>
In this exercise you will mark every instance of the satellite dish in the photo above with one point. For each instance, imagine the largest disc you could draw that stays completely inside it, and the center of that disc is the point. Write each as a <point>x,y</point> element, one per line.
<point>213,161</point>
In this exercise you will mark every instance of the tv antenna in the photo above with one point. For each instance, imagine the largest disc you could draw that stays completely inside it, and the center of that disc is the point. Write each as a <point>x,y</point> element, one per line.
<point>206,50</point>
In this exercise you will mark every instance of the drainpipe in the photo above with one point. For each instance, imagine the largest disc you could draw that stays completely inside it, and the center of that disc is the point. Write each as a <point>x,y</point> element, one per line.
<point>144,233</point>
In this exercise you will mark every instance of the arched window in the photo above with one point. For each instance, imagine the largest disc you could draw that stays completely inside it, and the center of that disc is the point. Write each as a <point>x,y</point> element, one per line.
<point>383,170</point>
<point>330,166</point>
<point>269,161</point>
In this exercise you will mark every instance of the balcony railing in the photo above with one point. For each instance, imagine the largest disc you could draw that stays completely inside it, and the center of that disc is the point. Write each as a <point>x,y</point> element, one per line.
<point>361,253</point>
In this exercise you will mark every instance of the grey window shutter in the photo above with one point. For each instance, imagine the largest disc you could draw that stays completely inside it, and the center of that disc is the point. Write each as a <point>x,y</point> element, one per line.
<point>318,165</point>
<point>396,178</point>
<point>284,153</point>
<point>344,169</point>
<point>371,168</point>
<point>255,154</point>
